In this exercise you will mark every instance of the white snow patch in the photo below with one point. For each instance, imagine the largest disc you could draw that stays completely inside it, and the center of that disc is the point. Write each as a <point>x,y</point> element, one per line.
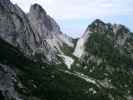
<point>67,60</point>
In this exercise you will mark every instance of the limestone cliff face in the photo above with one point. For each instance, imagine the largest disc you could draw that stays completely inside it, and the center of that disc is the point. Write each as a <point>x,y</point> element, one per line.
<point>37,35</point>
<point>49,37</point>
<point>42,23</point>
<point>15,27</point>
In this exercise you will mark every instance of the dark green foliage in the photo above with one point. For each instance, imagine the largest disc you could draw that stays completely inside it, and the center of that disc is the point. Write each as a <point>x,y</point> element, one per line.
<point>67,50</point>
<point>114,65</point>
<point>50,82</point>
<point>103,47</point>
<point>45,81</point>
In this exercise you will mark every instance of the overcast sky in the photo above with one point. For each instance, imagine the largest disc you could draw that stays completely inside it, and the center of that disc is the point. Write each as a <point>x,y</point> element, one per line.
<point>75,15</point>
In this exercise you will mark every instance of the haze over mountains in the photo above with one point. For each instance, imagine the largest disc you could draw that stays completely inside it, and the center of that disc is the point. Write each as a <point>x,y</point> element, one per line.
<point>39,62</point>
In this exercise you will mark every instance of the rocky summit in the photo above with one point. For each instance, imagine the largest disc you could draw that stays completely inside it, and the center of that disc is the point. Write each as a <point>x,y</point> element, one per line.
<point>39,62</point>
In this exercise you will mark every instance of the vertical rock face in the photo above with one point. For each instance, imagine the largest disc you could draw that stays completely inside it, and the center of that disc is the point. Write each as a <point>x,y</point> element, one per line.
<point>37,35</point>
<point>80,47</point>
<point>14,27</point>
<point>41,23</point>
<point>46,30</point>
<point>48,33</point>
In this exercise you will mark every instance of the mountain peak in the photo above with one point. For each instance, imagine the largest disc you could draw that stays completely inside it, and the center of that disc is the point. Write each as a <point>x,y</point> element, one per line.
<point>101,27</point>
<point>116,32</point>
<point>37,9</point>
<point>97,26</point>
<point>38,16</point>
<point>98,21</point>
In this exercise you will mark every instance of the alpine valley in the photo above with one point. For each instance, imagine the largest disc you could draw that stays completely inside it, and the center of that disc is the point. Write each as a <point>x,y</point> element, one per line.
<point>39,62</point>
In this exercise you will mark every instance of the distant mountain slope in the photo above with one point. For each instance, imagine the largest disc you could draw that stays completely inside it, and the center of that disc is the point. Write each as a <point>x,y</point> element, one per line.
<point>119,35</point>
<point>107,56</point>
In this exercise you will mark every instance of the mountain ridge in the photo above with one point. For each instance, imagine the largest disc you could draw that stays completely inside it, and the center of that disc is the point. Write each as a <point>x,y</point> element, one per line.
<point>101,27</point>
<point>36,34</point>
<point>39,62</point>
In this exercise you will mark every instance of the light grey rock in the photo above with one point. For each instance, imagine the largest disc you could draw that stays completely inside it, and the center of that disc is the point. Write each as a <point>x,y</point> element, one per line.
<point>48,33</point>
<point>15,29</point>
<point>7,83</point>
<point>36,34</point>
